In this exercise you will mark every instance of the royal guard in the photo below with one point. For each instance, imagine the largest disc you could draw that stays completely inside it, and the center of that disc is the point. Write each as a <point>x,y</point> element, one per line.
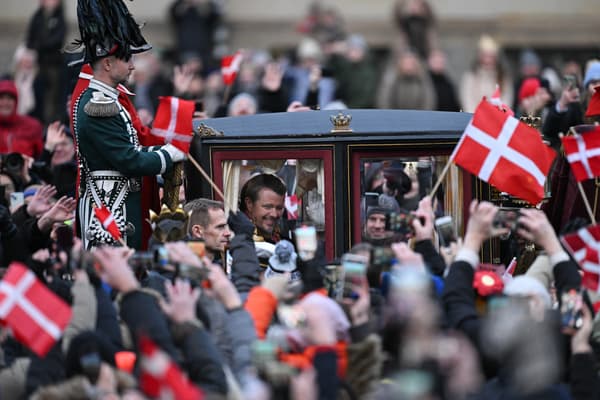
<point>112,162</point>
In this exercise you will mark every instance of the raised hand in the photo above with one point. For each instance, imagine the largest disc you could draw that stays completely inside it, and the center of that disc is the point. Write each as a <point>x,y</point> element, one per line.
<point>40,201</point>
<point>423,225</point>
<point>62,210</point>
<point>181,304</point>
<point>114,268</point>
<point>182,78</point>
<point>54,135</point>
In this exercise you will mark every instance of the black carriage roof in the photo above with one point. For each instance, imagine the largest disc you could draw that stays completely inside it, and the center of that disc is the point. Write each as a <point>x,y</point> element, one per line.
<point>371,124</point>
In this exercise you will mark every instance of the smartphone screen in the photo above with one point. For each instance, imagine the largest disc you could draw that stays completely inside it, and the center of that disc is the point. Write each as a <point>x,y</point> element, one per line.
<point>354,268</point>
<point>16,200</point>
<point>445,229</point>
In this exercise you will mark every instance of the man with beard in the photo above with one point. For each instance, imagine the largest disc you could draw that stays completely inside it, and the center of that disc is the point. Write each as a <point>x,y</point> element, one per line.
<point>262,198</point>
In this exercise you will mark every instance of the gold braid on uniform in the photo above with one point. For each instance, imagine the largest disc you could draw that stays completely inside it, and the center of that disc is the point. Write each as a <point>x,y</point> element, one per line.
<point>101,105</point>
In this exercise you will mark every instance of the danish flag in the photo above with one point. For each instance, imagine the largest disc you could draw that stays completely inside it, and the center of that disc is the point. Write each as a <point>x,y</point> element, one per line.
<point>577,243</point>
<point>230,65</point>
<point>591,270</point>
<point>584,245</point>
<point>35,314</point>
<point>583,151</point>
<point>108,222</point>
<point>160,376</point>
<point>173,122</point>
<point>291,205</point>
<point>505,153</point>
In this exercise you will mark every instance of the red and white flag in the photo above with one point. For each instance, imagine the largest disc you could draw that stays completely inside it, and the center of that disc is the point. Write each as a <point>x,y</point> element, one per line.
<point>496,99</point>
<point>505,153</point>
<point>230,66</point>
<point>583,152</point>
<point>160,377</point>
<point>577,243</point>
<point>584,246</point>
<point>593,108</point>
<point>173,122</point>
<point>291,205</point>
<point>591,270</point>
<point>35,314</point>
<point>108,221</point>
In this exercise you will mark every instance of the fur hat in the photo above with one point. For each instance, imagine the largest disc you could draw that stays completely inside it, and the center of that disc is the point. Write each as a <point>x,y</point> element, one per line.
<point>524,285</point>
<point>106,28</point>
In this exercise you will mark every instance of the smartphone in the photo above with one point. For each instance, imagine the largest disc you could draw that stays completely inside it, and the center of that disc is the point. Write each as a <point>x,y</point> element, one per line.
<point>570,82</point>
<point>571,313</point>
<point>17,199</point>
<point>306,242</point>
<point>445,230</point>
<point>354,268</point>
<point>371,200</point>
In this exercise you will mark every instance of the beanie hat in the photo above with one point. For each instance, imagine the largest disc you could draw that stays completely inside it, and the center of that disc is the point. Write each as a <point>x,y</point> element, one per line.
<point>524,285</point>
<point>528,88</point>
<point>529,57</point>
<point>283,260</point>
<point>377,210</point>
<point>592,73</point>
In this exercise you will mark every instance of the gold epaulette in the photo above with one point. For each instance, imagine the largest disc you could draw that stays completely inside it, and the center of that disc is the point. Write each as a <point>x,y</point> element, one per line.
<point>101,105</point>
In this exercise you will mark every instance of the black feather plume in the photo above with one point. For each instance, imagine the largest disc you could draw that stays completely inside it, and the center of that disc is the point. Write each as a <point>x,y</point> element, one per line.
<point>106,28</point>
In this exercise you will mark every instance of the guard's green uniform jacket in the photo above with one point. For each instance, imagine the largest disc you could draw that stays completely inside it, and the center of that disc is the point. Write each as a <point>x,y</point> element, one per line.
<point>111,165</point>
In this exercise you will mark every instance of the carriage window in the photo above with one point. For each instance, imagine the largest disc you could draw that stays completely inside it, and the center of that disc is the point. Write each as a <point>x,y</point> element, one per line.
<point>397,184</point>
<point>304,180</point>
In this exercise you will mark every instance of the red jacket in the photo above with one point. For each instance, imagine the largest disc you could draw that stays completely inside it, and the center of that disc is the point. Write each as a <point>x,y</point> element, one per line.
<point>150,198</point>
<point>19,133</point>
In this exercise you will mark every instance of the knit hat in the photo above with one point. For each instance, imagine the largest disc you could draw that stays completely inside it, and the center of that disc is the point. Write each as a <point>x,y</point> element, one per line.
<point>283,260</point>
<point>377,210</point>
<point>592,73</point>
<point>529,57</point>
<point>524,285</point>
<point>529,88</point>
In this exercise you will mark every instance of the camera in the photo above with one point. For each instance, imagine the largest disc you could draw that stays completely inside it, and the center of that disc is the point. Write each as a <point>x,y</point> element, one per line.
<point>12,163</point>
<point>158,260</point>
<point>382,257</point>
<point>400,222</point>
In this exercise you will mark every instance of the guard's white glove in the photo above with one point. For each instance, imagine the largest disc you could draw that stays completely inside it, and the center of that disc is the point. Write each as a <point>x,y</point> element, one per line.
<point>174,152</point>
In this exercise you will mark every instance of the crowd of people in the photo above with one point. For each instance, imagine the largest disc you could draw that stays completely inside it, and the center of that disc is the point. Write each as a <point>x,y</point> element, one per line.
<point>245,305</point>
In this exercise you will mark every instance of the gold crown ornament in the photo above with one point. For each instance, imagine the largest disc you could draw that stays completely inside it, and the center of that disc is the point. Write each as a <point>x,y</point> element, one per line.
<point>341,123</point>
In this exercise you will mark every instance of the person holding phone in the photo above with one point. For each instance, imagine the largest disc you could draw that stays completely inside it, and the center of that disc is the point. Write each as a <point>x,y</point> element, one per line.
<point>567,112</point>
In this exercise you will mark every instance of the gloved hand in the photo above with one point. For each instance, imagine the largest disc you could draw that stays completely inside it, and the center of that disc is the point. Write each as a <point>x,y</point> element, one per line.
<point>7,227</point>
<point>240,224</point>
<point>175,154</point>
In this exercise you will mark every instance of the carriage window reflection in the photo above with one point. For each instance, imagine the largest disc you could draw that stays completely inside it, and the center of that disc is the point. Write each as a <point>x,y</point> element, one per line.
<point>395,185</point>
<point>304,180</point>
